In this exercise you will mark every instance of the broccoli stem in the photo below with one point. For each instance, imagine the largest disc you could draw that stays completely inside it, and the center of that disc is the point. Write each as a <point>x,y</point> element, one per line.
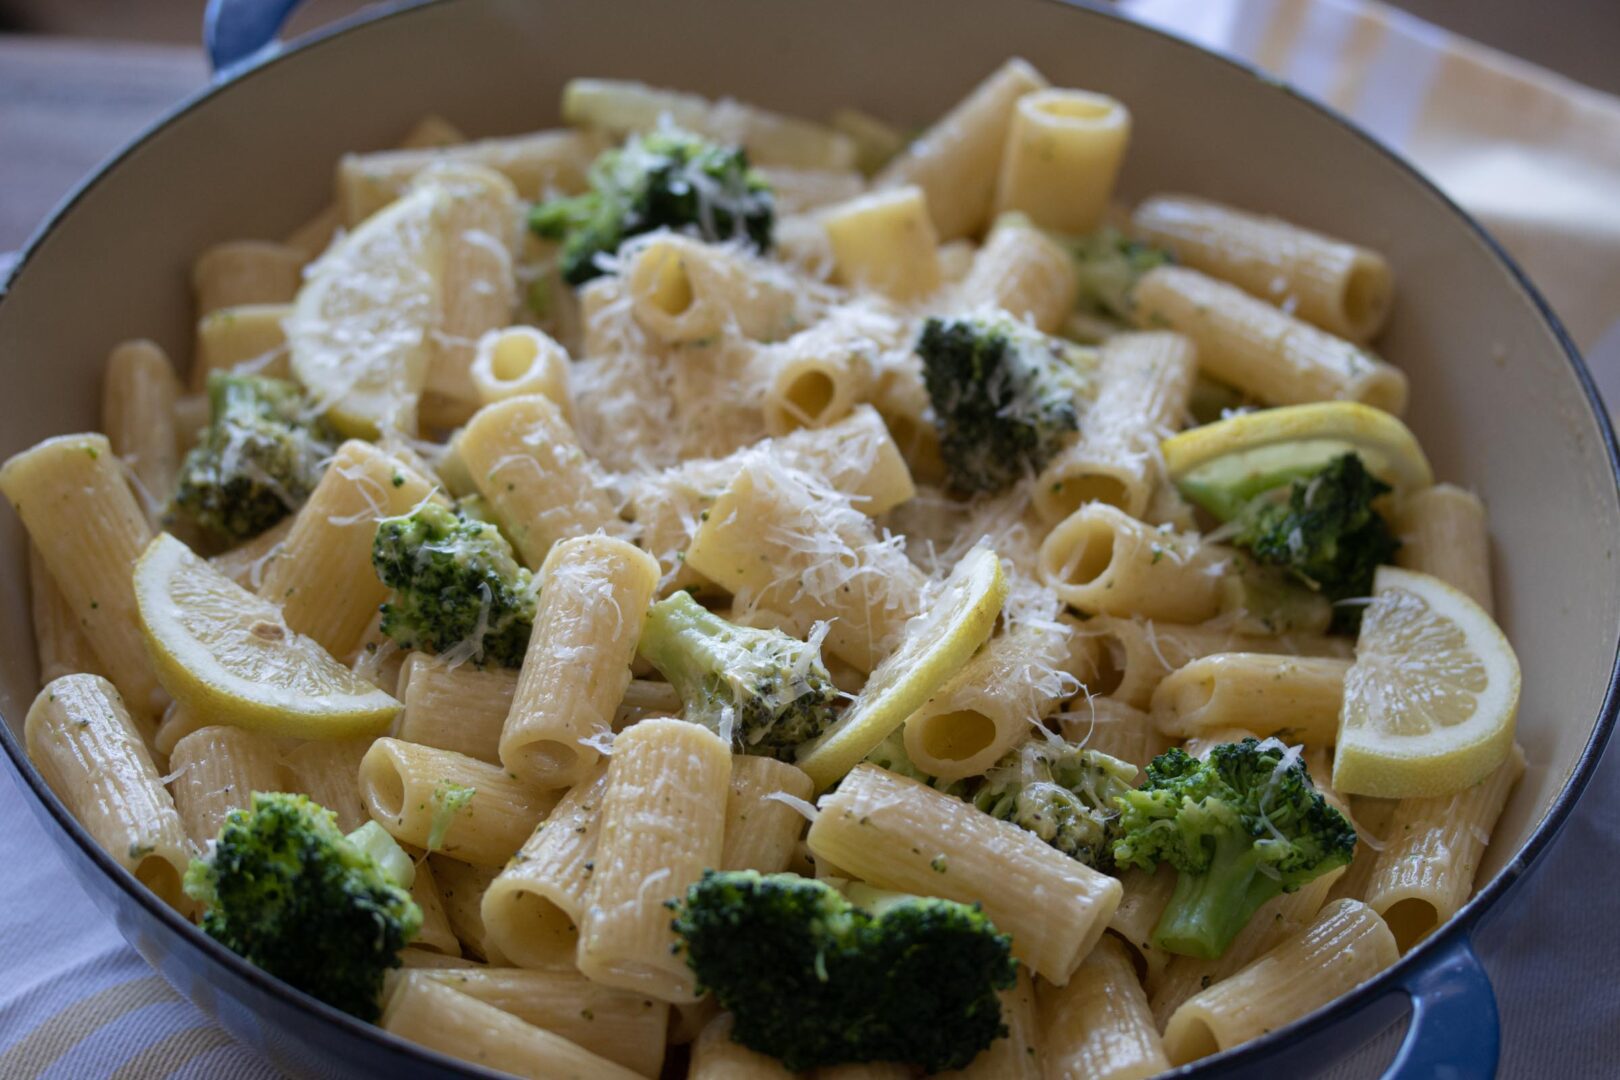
<point>1207,910</point>
<point>679,638</point>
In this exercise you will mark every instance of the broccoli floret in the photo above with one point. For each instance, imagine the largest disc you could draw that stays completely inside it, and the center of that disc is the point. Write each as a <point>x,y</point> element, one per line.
<point>455,583</point>
<point>1241,827</point>
<point>1060,792</point>
<point>663,180</point>
<point>287,891</point>
<point>1323,530</point>
<point>1108,265</point>
<point>1003,397</point>
<point>769,690</point>
<point>891,754</point>
<point>813,980</point>
<point>258,459</point>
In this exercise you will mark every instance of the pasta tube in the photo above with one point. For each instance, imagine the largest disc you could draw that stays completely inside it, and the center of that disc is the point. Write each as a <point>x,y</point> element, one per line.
<point>433,1014</point>
<point>71,496</point>
<point>1146,383</point>
<point>991,705</point>
<point>249,338</point>
<point>1346,945</point>
<point>1343,288</point>
<point>1063,152</point>
<point>82,741</point>
<point>762,829</point>
<point>525,460</point>
<point>1425,872</point>
<point>246,272</point>
<point>884,241</point>
<point>1261,350</point>
<point>532,910</point>
<point>1294,697</point>
<point>1101,561</point>
<point>775,542</point>
<point>955,161</point>
<point>663,824</point>
<point>448,802</point>
<point>592,604</point>
<point>138,393</point>
<point>216,770</point>
<point>1443,532</point>
<point>1098,1027</point>
<point>62,649</point>
<point>902,835</point>
<point>328,771</point>
<point>455,707</point>
<point>321,576</point>
<point>1024,273</point>
<point>625,1028</point>
<point>520,360</point>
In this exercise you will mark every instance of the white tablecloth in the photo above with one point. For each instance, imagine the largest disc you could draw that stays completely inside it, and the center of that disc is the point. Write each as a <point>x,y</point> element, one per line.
<point>76,1003</point>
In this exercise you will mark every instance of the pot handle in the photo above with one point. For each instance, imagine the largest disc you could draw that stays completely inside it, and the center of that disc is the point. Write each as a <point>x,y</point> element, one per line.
<point>236,31</point>
<point>1455,1030</point>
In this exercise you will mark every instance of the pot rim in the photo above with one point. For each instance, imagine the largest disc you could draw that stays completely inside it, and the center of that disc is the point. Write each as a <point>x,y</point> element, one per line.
<point>1390,981</point>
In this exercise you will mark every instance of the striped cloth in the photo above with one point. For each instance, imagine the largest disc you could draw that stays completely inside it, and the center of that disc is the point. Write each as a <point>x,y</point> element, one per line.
<point>76,1002</point>
<point>1535,156</point>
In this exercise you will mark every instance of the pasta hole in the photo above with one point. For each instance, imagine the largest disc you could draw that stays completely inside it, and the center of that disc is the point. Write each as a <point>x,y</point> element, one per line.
<point>1074,108</point>
<point>384,787</point>
<point>513,357</point>
<point>957,735</point>
<point>1108,666</point>
<point>1193,696</point>
<point>1075,491</point>
<point>546,759</point>
<point>1195,1039</point>
<point>1384,390</point>
<point>664,282</point>
<point>1090,556</point>
<point>159,875</point>
<point>810,394</point>
<point>1365,298</point>
<point>1411,920</point>
<point>535,931</point>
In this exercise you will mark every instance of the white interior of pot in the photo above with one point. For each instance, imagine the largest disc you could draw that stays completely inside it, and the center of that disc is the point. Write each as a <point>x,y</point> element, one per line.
<point>1493,398</point>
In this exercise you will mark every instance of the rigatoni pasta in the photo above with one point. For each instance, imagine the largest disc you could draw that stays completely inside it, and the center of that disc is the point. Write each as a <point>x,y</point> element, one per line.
<point>81,515</point>
<point>663,822</point>
<point>596,590</point>
<point>448,802</point>
<point>902,835</point>
<point>1263,350</point>
<point>82,740</point>
<point>1346,945</point>
<point>1343,288</point>
<point>715,357</point>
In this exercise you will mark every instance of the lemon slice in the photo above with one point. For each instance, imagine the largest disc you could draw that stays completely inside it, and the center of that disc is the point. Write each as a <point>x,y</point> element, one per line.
<point>227,655</point>
<point>1430,702</point>
<point>360,336</point>
<point>934,646</point>
<point>1223,465</point>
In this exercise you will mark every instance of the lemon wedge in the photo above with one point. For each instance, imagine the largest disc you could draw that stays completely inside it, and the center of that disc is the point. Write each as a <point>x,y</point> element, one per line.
<point>934,646</point>
<point>227,654</point>
<point>361,333</point>
<point>1223,465</point>
<point>1430,702</point>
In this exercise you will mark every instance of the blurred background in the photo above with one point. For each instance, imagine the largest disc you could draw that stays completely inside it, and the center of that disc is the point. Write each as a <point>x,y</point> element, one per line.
<point>1579,38</point>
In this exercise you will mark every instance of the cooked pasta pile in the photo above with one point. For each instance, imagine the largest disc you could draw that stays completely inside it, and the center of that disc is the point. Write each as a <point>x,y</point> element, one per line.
<point>1020,620</point>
